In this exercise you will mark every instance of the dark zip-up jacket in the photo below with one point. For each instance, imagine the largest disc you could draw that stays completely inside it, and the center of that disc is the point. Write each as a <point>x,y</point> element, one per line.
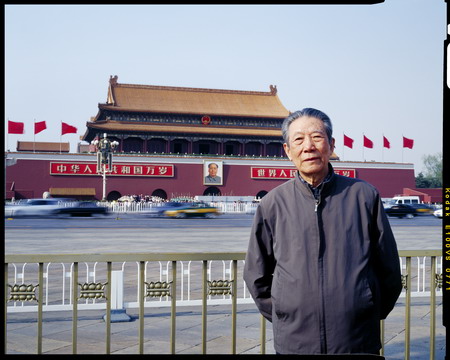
<point>326,271</point>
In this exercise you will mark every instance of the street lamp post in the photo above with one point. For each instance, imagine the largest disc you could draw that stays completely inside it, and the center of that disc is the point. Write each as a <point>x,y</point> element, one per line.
<point>105,148</point>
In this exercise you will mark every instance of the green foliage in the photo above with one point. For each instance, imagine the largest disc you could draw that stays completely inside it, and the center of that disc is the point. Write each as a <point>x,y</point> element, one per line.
<point>433,172</point>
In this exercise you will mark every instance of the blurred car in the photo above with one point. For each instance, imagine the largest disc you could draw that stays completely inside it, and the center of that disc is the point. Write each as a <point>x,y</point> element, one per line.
<point>158,210</point>
<point>422,209</point>
<point>401,210</point>
<point>83,208</point>
<point>438,213</point>
<point>35,207</point>
<point>193,210</point>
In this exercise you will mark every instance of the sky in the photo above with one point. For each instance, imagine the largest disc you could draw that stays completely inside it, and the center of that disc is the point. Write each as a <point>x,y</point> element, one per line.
<point>375,70</point>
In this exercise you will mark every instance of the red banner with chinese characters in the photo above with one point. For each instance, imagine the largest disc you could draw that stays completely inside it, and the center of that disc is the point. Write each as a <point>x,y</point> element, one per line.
<point>288,173</point>
<point>155,170</point>
<point>346,172</point>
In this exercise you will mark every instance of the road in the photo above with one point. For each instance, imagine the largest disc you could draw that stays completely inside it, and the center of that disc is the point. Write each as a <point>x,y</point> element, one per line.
<point>131,233</point>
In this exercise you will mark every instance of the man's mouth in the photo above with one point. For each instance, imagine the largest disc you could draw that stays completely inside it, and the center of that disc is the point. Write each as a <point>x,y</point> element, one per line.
<point>311,159</point>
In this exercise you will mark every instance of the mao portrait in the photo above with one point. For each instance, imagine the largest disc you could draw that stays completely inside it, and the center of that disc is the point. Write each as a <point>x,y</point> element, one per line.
<point>212,172</point>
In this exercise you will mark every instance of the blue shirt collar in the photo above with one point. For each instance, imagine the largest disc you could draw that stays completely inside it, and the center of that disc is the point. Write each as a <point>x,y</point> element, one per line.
<point>316,190</point>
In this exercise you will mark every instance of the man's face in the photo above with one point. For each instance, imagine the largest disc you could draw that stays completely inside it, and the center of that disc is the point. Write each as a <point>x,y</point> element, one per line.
<point>308,147</point>
<point>212,169</point>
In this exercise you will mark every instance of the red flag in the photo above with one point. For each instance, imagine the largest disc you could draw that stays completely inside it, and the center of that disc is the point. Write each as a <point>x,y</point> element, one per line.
<point>386,143</point>
<point>68,129</point>
<point>15,127</point>
<point>39,126</point>
<point>408,143</point>
<point>368,143</point>
<point>348,142</point>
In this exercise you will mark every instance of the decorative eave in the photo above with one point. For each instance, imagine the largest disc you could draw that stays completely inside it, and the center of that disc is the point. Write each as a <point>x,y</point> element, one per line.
<point>110,98</point>
<point>200,113</point>
<point>121,126</point>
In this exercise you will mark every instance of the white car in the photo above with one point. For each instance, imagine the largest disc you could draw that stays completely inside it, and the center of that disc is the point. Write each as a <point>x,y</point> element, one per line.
<point>35,207</point>
<point>438,213</point>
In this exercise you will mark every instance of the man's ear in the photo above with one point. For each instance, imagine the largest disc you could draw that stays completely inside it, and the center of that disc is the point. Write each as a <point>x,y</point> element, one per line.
<point>333,141</point>
<point>287,150</point>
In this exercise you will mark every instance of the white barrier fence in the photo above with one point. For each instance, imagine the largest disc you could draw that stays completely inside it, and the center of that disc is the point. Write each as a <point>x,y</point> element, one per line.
<point>125,280</point>
<point>224,207</point>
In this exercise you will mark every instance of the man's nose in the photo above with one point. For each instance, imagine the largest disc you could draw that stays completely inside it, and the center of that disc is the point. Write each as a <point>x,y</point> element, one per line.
<point>308,143</point>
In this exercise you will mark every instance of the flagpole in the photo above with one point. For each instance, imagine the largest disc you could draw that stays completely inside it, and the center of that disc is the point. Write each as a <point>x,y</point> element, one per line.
<point>403,147</point>
<point>60,138</point>
<point>34,136</point>
<point>343,147</point>
<point>364,159</point>
<point>7,137</point>
<point>382,150</point>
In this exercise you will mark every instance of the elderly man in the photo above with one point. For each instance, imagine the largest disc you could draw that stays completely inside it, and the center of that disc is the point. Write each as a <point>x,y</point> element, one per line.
<point>322,263</point>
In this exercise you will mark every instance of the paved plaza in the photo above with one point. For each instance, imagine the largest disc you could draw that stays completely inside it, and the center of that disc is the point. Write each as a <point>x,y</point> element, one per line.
<point>57,332</point>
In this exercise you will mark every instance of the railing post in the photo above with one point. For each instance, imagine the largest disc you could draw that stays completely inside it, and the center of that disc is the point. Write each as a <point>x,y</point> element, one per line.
<point>5,307</point>
<point>118,311</point>
<point>108,308</point>
<point>74,306</point>
<point>233,308</point>
<point>433,307</point>
<point>382,337</point>
<point>173,312</point>
<point>117,290</point>
<point>204,309</point>
<point>40,306</point>
<point>408,309</point>
<point>263,335</point>
<point>141,306</point>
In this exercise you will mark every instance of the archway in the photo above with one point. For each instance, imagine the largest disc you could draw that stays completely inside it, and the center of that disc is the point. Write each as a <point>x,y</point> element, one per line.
<point>212,191</point>
<point>113,196</point>
<point>160,193</point>
<point>261,194</point>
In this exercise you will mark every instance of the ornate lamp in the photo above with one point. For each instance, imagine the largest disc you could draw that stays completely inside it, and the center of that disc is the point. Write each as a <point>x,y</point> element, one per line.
<point>105,149</point>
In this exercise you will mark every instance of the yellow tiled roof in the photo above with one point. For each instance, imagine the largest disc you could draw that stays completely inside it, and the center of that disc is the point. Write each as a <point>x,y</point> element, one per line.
<point>182,100</point>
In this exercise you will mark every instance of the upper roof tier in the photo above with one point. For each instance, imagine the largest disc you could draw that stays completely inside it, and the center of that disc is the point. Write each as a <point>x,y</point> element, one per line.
<point>181,100</point>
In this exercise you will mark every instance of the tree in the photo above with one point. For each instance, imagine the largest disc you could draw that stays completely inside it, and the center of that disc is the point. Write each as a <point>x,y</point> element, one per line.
<point>433,172</point>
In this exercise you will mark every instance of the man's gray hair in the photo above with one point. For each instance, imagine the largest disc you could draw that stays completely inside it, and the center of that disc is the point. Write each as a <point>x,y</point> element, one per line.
<point>310,112</point>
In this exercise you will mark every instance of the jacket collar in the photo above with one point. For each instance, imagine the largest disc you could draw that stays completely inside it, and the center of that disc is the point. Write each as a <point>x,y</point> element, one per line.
<point>316,191</point>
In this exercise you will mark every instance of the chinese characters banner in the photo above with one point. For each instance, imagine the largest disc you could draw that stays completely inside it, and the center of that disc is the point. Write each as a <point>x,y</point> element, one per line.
<point>346,172</point>
<point>156,170</point>
<point>288,173</point>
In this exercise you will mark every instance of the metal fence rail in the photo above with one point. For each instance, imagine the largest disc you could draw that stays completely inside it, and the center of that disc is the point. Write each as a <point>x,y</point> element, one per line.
<point>224,207</point>
<point>38,283</point>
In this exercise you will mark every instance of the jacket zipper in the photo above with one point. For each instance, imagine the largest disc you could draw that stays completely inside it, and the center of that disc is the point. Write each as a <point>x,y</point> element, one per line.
<point>322,326</point>
<point>317,204</point>
<point>321,309</point>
